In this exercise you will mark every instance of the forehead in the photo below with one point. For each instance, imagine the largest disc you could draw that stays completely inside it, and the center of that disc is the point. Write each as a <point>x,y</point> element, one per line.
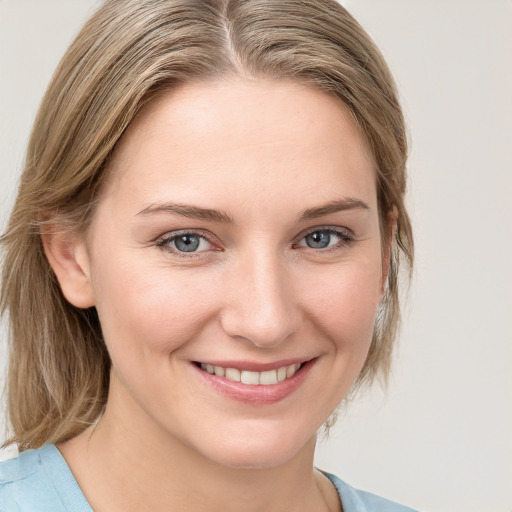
<point>245,136</point>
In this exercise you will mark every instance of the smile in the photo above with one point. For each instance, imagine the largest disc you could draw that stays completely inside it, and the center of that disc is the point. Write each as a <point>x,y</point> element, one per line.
<point>251,378</point>
<point>253,383</point>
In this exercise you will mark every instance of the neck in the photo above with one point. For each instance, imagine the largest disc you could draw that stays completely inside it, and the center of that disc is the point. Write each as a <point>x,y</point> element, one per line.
<point>135,465</point>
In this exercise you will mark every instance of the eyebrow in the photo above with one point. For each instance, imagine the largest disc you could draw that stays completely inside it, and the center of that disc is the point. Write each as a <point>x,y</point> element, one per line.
<point>196,212</point>
<point>190,211</point>
<point>340,205</point>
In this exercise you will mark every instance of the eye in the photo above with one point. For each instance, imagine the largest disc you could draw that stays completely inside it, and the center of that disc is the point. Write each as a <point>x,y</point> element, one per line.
<point>185,243</point>
<point>324,239</point>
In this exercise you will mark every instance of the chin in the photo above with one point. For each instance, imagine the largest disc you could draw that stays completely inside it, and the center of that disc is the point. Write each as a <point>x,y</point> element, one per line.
<point>244,458</point>
<point>259,448</point>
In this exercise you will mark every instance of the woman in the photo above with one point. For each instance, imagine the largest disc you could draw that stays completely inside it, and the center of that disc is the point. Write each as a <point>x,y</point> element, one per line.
<point>202,259</point>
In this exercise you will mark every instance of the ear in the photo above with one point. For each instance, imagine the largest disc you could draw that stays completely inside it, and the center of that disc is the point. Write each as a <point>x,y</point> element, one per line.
<point>388,244</point>
<point>68,257</point>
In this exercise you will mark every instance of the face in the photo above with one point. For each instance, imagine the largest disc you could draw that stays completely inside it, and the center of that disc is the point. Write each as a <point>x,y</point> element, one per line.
<point>235,262</point>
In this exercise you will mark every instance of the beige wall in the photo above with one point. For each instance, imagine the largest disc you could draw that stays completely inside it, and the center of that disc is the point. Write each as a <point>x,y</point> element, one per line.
<point>440,438</point>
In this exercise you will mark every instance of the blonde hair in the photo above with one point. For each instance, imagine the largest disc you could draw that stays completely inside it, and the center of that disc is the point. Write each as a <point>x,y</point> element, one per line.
<point>128,52</point>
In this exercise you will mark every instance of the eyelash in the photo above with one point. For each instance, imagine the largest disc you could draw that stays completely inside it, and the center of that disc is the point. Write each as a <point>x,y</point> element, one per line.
<point>162,243</point>
<point>345,236</point>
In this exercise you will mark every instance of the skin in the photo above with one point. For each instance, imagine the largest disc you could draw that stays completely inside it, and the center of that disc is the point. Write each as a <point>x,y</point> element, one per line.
<point>263,153</point>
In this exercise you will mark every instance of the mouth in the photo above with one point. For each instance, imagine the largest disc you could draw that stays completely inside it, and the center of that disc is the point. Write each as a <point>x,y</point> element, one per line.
<point>252,383</point>
<point>253,378</point>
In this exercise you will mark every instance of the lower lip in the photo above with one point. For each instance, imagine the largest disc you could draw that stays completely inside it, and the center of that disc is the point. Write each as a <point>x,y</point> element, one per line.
<point>256,394</point>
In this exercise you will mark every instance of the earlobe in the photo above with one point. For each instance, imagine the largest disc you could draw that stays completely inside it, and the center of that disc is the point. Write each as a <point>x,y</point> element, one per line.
<point>68,258</point>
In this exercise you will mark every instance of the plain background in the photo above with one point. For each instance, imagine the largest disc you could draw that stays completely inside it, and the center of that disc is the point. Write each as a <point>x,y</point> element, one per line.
<point>440,438</point>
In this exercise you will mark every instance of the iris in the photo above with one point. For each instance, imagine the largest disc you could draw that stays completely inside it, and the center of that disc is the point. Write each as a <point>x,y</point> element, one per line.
<point>318,239</point>
<point>187,243</point>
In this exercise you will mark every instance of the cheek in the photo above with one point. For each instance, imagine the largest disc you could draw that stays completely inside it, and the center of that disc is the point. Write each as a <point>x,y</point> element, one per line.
<point>343,302</point>
<point>146,312</point>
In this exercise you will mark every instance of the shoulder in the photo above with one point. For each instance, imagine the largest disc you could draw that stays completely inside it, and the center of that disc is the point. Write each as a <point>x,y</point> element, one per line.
<point>39,480</point>
<point>355,500</point>
<point>24,482</point>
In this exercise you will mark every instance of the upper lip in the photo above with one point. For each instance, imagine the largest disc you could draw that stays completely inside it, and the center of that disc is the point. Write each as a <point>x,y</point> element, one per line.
<point>254,366</point>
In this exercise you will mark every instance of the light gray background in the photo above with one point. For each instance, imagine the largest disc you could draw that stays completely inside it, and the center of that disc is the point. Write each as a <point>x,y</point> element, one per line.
<point>440,439</point>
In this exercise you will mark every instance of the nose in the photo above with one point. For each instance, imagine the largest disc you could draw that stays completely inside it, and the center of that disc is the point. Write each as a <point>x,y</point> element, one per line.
<point>259,303</point>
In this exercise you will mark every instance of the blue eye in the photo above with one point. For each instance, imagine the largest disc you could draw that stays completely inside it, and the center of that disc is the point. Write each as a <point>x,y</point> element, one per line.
<point>323,239</point>
<point>318,240</point>
<point>185,243</point>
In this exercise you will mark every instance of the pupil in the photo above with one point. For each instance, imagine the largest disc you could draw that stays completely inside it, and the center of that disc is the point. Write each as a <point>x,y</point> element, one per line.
<point>318,239</point>
<point>187,243</point>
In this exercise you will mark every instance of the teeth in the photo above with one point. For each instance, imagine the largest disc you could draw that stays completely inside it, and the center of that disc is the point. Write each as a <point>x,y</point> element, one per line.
<point>253,378</point>
<point>290,371</point>
<point>269,377</point>
<point>233,374</point>
<point>250,377</point>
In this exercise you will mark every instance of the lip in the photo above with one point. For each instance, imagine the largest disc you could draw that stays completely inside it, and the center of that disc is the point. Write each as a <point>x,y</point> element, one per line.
<point>253,366</point>
<point>256,394</point>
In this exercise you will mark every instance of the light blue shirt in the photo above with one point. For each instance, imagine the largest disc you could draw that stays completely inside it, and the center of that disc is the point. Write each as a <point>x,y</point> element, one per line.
<point>41,481</point>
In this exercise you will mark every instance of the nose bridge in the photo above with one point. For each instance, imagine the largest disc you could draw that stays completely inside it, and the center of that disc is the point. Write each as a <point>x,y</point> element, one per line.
<point>260,305</point>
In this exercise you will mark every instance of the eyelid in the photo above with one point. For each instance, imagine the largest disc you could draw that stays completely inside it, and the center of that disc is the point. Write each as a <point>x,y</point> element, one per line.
<point>167,237</point>
<point>347,236</point>
<point>334,229</point>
